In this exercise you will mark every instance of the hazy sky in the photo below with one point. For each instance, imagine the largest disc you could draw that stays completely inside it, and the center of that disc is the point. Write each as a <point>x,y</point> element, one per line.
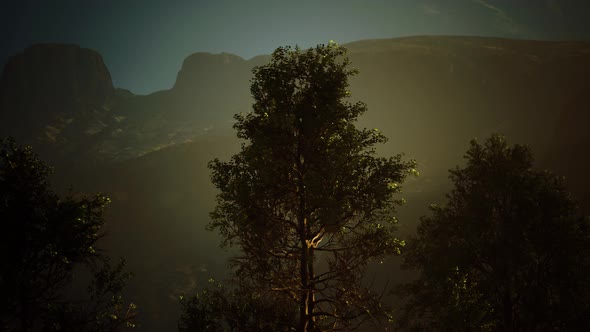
<point>144,42</point>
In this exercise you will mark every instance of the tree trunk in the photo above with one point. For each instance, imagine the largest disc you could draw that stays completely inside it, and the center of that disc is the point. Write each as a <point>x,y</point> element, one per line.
<point>310,290</point>
<point>307,293</point>
<point>303,301</point>
<point>307,300</point>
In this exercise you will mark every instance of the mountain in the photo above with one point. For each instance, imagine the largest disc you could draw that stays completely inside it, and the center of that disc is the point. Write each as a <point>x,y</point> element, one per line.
<point>53,92</point>
<point>55,74</point>
<point>430,95</point>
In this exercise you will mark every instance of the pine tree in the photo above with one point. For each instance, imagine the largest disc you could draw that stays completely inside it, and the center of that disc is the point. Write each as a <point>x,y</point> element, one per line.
<point>307,200</point>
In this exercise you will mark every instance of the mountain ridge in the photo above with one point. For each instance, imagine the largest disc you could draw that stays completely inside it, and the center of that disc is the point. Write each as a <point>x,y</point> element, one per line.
<point>464,85</point>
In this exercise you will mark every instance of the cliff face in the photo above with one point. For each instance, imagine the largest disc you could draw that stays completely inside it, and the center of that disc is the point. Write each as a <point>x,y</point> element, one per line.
<point>210,85</point>
<point>57,74</point>
<point>206,69</point>
<point>50,88</point>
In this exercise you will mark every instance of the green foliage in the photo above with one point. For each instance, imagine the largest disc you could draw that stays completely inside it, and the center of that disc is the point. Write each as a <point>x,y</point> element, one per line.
<point>508,252</point>
<point>307,200</point>
<point>103,309</point>
<point>44,239</point>
<point>219,308</point>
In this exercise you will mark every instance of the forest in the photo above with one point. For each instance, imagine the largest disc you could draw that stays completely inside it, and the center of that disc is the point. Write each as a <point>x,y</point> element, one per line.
<point>313,206</point>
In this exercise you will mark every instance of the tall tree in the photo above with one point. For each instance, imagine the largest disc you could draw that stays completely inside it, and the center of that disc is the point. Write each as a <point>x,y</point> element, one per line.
<point>306,199</point>
<point>508,252</point>
<point>44,239</point>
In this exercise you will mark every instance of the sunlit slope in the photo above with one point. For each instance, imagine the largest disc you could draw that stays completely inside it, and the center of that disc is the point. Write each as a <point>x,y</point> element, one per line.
<point>430,95</point>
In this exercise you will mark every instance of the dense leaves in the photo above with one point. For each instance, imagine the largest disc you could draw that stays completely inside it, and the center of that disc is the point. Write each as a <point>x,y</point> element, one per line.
<point>44,240</point>
<point>307,200</point>
<point>219,308</point>
<point>508,252</point>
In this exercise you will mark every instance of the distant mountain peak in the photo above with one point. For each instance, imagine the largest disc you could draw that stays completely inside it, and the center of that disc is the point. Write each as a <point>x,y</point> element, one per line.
<point>55,73</point>
<point>46,86</point>
<point>203,65</point>
<point>198,58</point>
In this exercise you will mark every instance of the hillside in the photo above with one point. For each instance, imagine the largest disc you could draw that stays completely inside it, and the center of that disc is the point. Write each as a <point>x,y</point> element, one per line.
<point>429,95</point>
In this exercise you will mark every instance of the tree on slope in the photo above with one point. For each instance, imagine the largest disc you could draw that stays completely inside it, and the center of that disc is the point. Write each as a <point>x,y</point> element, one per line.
<point>44,240</point>
<point>306,199</point>
<point>508,252</point>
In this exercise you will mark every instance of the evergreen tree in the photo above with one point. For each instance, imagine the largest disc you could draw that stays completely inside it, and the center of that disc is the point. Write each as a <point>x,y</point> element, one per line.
<point>306,200</point>
<point>45,239</point>
<point>508,252</point>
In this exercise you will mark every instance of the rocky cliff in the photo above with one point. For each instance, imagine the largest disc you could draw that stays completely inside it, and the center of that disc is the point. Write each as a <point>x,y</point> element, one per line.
<point>50,79</point>
<point>55,96</point>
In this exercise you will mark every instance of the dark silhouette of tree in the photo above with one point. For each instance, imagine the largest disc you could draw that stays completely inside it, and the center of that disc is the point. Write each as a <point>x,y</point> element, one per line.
<point>219,308</point>
<point>508,252</point>
<point>44,239</point>
<point>307,201</point>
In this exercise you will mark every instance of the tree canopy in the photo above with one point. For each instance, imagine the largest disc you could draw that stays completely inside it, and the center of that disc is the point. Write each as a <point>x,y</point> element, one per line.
<point>235,308</point>
<point>306,200</point>
<point>508,252</point>
<point>44,239</point>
